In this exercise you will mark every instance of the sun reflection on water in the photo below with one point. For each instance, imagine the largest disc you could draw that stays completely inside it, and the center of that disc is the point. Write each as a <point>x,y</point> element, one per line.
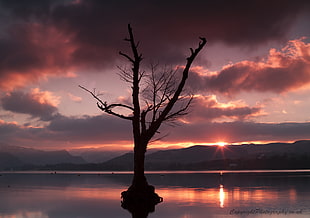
<point>222,196</point>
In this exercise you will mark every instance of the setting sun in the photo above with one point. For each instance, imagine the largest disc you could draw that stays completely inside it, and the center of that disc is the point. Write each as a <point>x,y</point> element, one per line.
<point>221,144</point>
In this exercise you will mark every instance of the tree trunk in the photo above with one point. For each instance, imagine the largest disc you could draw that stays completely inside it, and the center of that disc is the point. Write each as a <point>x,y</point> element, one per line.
<point>140,198</point>
<point>139,182</point>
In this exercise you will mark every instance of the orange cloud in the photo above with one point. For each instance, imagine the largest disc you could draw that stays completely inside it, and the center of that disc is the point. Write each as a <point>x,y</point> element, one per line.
<point>208,108</point>
<point>281,71</point>
<point>45,97</point>
<point>38,104</point>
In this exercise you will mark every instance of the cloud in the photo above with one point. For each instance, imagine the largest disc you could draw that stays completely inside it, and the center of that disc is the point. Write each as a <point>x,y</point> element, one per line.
<point>74,98</point>
<point>7,127</point>
<point>64,131</point>
<point>208,108</point>
<point>237,22</point>
<point>106,130</point>
<point>28,9</point>
<point>32,51</point>
<point>281,71</point>
<point>100,129</point>
<point>15,134</point>
<point>53,38</point>
<point>98,26</point>
<point>40,39</point>
<point>239,132</point>
<point>38,104</point>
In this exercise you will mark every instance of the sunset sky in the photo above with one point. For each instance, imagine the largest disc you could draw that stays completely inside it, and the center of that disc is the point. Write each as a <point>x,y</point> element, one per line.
<point>251,81</point>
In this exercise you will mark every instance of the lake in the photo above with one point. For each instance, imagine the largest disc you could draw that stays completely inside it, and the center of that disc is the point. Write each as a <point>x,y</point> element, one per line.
<point>230,194</point>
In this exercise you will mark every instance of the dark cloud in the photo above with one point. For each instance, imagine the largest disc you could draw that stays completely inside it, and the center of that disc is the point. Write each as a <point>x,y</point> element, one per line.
<point>173,26</point>
<point>31,51</point>
<point>63,131</point>
<point>101,128</point>
<point>240,132</point>
<point>105,130</point>
<point>35,104</point>
<point>235,22</point>
<point>281,71</point>
<point>14,134</point>
<point>7,129</point>
<point>48,37</point>
<point>108,129</point>
<point>28,9</point>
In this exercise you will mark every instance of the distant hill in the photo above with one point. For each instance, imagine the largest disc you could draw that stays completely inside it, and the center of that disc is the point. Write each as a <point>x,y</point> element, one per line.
<point>249,156</point>
<point>8,161</point>
<point>97,155</point>
<point>17,157</point>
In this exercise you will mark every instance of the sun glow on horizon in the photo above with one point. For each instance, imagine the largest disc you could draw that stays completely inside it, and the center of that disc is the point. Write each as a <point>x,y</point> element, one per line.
<point>221,144</point>
<point>128,145</point>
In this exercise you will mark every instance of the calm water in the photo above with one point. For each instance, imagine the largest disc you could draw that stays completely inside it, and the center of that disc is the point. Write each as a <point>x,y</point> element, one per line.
<point>186,194</point>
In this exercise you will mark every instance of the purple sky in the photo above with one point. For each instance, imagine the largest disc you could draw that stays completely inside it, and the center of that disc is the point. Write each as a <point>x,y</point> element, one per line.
<point>251,82</point>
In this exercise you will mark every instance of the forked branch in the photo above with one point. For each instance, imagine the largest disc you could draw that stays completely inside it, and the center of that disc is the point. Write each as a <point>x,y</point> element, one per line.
<point>108,108</point>
<point>166,112</point>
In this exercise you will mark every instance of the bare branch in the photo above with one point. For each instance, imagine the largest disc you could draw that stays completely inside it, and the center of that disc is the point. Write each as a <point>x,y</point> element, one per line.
<point>93,94</point>
<point>192,51</point>
<point>125,75</point>
<point>127,56</point>
<point>102,105</point>
<point>165,113</point>
<point>159,138</point>
<point>181,112</point>
<point>119,105</point>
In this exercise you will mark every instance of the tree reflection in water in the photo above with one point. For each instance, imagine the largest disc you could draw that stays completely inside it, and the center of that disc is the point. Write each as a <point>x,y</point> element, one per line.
<point>141,205</point>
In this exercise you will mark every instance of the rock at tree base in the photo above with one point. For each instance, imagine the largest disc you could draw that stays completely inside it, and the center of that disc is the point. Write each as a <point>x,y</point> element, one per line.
<point>140,203</point>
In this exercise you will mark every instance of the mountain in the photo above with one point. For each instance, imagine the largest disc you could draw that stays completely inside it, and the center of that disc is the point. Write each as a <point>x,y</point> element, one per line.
<point>96,155</point>
<point>247,156</point>
<point>273,155</point>
<point>15,156</point>
<point>8,161</point>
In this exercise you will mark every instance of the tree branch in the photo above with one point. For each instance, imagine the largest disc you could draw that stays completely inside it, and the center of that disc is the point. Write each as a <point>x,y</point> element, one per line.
<point>108,108</point>
<point>180,112</point>
<point>164,115</point>
<point>127,56</point>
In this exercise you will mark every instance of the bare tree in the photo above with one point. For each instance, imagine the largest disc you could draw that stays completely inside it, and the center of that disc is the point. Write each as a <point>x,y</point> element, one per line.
<point>162,101</point>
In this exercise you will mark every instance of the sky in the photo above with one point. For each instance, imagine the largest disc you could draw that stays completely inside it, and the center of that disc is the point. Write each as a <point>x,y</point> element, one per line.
<point>251,82</point>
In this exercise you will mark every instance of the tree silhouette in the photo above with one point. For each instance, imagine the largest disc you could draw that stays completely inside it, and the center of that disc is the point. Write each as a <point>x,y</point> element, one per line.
<point>162,102</point>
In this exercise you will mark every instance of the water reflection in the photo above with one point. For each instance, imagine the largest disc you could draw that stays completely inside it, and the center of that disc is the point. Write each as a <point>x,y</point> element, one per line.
<point>194,195</point>
<point>222,196</point>
<point>140,203</point>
